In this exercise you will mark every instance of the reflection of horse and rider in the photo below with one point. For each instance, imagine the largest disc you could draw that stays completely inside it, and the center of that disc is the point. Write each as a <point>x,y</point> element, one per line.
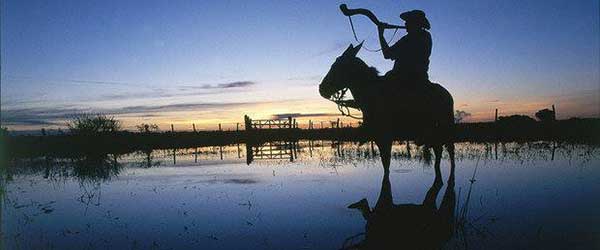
<point>403,102</point>
<point>407,226</point>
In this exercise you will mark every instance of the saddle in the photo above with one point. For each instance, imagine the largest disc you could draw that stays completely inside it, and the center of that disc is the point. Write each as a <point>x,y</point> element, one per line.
<point>409,95</point>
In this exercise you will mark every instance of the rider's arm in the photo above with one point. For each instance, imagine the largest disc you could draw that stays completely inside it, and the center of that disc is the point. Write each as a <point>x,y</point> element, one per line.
<point>385,48</point>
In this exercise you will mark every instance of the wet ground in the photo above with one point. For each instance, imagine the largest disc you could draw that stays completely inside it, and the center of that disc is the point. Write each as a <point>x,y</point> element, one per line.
<point>533,195</point>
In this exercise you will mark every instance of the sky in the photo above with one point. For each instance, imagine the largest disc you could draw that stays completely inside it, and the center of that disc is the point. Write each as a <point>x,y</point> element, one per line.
<point>210,62</point>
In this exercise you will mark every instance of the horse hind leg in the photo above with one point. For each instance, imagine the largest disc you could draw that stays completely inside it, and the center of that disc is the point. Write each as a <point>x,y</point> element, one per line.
<point>450,149</point>
<point>437,150</point>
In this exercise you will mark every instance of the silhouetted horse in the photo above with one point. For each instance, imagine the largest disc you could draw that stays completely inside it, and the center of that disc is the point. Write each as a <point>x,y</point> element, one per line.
<point>408,226</point>
<point>421,111</point>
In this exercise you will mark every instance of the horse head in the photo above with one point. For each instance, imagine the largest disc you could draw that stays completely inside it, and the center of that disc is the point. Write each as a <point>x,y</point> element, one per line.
<point>343,72</point>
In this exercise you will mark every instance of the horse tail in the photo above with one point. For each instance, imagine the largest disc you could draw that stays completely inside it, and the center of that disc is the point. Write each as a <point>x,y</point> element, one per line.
<point>446,119</point>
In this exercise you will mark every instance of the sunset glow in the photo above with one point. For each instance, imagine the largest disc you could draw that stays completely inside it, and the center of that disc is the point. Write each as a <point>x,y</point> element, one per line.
<point>214,62</point>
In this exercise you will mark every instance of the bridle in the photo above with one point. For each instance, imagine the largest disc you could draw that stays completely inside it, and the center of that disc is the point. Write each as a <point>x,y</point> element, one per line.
<point>344,105</point>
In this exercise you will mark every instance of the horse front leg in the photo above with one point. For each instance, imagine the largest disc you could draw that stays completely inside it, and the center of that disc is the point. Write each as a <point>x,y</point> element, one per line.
<point>385,151</point>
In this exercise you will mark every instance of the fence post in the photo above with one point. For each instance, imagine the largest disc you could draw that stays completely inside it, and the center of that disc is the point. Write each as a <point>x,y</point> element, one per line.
<point>553,112</point>
<point>290,121</point>
<point>247,122</point>
<point>220,129</point>
<point>338,123</point>
<point>237,127</point>
<point>172,128</point>
<point>496,116</point>
<point>194,127</point>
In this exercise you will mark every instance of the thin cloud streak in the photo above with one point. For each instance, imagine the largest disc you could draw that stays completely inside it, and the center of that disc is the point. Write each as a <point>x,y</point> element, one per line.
<point>228,85</point>
<point>298,115</point>
<point>56,115</point>
<point>31,78</point>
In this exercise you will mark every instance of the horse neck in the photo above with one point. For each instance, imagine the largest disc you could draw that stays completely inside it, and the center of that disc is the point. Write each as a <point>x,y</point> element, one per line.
<point>362,87</point>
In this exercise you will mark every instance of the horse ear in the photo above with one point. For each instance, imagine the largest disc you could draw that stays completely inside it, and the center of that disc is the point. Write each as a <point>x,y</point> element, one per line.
<point>357,48</point>
<point>348,50</point>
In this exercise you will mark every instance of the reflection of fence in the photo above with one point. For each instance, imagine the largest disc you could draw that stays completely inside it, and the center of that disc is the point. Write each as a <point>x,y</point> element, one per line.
<point>271,150</point>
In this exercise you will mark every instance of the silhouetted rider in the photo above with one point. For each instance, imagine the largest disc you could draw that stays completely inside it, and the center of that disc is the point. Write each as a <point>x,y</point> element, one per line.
<point>411,53</point>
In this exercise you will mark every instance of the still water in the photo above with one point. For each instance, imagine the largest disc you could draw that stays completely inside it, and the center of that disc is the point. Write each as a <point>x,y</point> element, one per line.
<point>532,195</point>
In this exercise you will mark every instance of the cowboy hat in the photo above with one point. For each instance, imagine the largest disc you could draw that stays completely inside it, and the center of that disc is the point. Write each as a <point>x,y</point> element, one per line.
<point>416,17</point>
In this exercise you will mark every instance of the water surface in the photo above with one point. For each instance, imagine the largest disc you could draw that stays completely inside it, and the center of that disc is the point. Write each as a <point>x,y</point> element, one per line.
<point>295,196</point>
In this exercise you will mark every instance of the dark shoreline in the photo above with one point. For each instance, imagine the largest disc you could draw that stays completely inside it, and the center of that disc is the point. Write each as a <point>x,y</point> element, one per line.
<point>573,130</point>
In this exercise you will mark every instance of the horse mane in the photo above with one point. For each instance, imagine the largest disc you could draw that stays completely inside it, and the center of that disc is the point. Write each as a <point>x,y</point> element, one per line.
<point>372,72</point>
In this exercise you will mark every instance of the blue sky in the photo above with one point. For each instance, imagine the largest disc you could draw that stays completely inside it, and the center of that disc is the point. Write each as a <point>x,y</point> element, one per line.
<point>167,61</point>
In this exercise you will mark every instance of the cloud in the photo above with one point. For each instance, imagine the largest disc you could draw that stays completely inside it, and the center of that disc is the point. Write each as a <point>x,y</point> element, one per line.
<point>235,84</point>
<point>177,107</point>
<point>31,78</point>
<point>296,115</point>
<point>227,85</point>
<point>57,115</point>
<point>31,121</point>
<point>158,94</point>
<point>38,116</point>
<point>203,90</point>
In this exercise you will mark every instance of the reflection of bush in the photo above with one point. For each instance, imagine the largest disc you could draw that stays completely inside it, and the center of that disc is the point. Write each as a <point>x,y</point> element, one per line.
<point>148,159</point>
<point>96,168</point>
<point>91,168</point>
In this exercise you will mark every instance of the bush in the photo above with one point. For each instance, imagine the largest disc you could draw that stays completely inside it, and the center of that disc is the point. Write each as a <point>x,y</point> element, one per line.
<point>147,127</point>
<point>545,115</point>
<point>459,115</point>
<point>93,124</point>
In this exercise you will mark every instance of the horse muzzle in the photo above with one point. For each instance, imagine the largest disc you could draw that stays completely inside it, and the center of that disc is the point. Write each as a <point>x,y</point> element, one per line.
<point>327,90</point>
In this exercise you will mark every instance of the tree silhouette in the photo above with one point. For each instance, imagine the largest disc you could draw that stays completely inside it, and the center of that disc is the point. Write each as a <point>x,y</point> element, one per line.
<point>459,115</point>
<point>147,127</point>
<point>93,124</point>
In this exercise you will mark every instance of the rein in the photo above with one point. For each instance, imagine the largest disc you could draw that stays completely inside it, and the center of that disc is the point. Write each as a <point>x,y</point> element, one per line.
<point>365,47</point>
<point>344,105</point>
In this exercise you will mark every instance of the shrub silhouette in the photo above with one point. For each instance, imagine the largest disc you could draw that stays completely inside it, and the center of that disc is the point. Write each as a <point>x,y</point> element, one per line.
<point>460,115</point>
<point>93,124</point>
<point>147,127</point>
<point>545,115</point>
<point>516,120</point>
